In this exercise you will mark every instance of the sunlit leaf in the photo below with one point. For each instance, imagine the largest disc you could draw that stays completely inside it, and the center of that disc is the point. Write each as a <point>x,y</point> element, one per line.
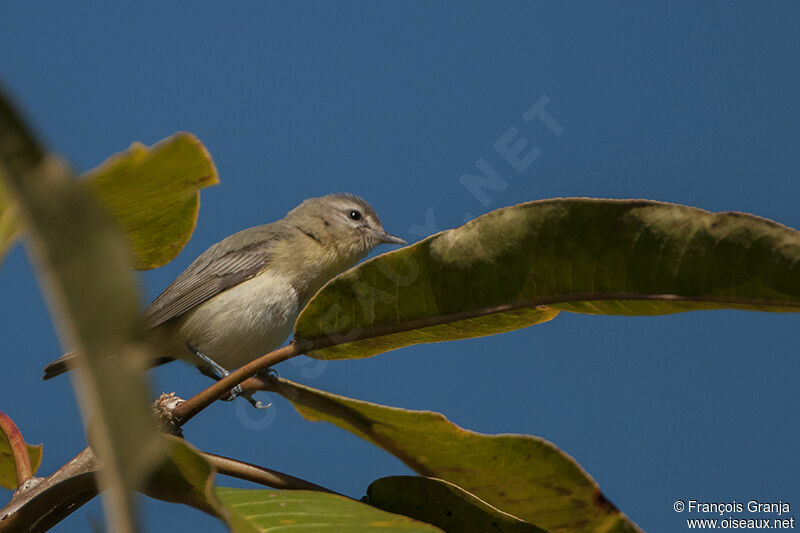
<point>521,475</point>
<point>155,194</point>
<point>304,511</point>
<point>520,265</point>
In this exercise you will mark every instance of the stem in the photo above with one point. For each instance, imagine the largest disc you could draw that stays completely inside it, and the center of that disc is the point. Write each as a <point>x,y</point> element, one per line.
<point>186,410</point>
<point>260,475</point>
<point>59,495</point>
<point>45,504</point>
<point>19,449</point>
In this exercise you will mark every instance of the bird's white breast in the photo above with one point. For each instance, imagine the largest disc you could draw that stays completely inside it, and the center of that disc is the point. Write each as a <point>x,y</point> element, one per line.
<point>244,322</point>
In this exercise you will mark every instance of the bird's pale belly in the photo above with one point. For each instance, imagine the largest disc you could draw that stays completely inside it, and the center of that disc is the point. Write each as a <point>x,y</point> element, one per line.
<point>240,324</point>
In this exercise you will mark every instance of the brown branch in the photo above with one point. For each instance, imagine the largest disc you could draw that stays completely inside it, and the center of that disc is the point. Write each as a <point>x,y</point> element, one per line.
<point>19,450</point>
<point>41,503</point>
<point>260,475</point>
<point>44,502</point>
<point>186,410</point>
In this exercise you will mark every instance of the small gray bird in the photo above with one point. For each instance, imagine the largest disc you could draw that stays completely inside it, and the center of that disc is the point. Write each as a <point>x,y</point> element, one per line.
<point>240,298</point>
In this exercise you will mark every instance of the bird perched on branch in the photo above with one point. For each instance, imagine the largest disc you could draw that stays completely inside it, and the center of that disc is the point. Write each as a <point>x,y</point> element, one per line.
<point>239,299</point>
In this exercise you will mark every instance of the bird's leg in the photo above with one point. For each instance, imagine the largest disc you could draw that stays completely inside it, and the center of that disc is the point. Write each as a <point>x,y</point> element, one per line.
<point>215,371</point>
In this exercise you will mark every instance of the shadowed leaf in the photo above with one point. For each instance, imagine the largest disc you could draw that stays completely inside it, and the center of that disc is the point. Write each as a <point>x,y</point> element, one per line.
<point>8,222</point>
<point>524,476</point>
<point>442,504</point>
<point>184,477</point>
<point>521,265</point>
<point>305,511</point>
<point>20,151</point>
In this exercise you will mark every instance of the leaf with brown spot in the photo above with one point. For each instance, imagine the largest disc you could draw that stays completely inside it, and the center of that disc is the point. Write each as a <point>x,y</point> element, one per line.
<point>520,265</point>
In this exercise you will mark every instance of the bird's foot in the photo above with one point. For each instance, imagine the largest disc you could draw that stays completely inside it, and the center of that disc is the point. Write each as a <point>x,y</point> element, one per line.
<point>215,371</point>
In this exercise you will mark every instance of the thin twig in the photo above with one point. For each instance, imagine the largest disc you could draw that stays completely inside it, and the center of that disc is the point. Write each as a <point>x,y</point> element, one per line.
<point>186,410</point>
<point>260,475</point>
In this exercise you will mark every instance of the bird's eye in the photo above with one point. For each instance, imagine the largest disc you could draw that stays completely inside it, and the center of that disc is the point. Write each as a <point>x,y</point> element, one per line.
<point>355,215</point>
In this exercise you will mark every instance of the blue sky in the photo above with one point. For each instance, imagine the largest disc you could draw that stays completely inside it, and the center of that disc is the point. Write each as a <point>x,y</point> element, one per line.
<point>694,103</point>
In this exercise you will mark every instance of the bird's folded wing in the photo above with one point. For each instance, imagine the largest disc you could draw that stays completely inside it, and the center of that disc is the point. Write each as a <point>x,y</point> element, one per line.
<point>226,264</point>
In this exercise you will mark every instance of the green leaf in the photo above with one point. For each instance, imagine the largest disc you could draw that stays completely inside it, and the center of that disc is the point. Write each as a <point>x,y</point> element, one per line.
<point>154,194</point>
<point>188,478</point>
<point>521,265</point>
<point>184,477</point>
<point>8,464</point>
<point>524,476</point>
<point>442,504</point>
<point>84,267</point>
<point>8,473</point>
<point>308,511</point>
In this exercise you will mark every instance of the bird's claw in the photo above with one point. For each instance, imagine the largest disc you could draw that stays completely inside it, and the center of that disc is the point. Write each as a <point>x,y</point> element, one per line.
<point>216,371</point>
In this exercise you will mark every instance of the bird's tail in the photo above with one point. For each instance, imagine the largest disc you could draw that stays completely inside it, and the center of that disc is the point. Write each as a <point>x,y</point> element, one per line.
<point>59,366</point>
<point>67,362</point>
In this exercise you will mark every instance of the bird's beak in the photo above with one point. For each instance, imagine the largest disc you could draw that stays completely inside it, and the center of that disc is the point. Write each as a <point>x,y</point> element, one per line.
<point>388,238</point>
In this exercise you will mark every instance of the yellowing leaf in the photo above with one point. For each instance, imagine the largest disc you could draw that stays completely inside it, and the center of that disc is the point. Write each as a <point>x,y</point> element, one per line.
<point>154,194</point>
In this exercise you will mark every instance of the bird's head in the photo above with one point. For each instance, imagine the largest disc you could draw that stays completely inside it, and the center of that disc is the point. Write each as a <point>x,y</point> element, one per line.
<point>344,221</point>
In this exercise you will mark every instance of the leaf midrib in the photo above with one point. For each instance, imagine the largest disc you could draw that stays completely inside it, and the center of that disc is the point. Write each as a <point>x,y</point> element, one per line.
<point>318,343</point>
